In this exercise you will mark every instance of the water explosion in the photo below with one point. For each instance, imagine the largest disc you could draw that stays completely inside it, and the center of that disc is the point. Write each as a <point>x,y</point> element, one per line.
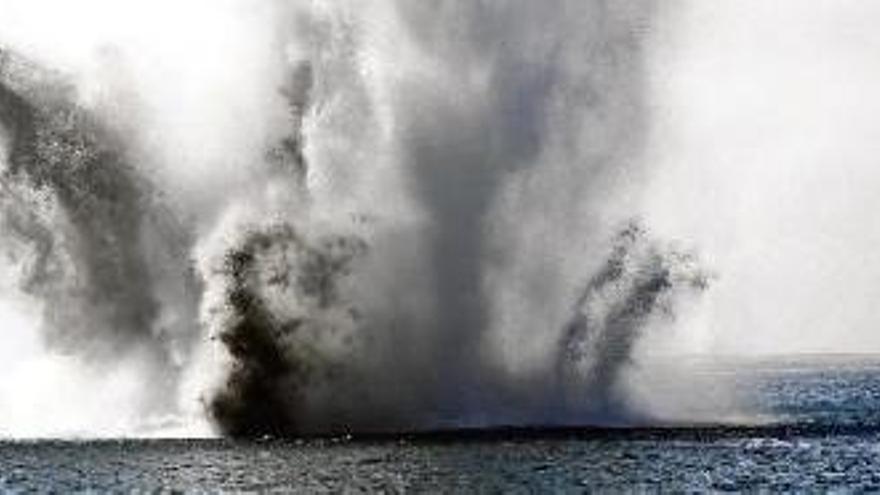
<point>429,230</point>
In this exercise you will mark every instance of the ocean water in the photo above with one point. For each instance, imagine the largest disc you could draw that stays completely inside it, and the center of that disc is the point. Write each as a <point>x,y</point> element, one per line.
<point>825,437</point>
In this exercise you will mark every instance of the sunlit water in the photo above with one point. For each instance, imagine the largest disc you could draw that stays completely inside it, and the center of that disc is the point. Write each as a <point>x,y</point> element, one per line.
<point>827,436</point>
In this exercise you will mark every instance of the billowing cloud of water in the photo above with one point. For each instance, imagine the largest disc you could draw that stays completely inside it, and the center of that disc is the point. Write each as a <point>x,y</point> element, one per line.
<point>325,216</point>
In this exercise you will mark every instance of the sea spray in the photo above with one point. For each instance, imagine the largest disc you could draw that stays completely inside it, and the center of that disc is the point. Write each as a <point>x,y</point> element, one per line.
<point>286,329</point>
<point>641,280</point>
<point>96,247</point>
<point>409,231</point>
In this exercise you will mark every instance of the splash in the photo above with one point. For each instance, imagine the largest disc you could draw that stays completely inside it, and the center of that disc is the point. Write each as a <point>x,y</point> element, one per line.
<point>281,352</point>
<point>419,230</point>
<point>640,280</point>
<point>94,246</point>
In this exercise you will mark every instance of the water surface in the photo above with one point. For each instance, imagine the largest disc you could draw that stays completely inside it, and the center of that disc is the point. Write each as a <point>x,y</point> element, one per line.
<point>827,438</point>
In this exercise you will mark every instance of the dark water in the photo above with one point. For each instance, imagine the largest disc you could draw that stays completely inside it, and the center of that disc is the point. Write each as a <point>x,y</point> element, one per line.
<point>827,438</point>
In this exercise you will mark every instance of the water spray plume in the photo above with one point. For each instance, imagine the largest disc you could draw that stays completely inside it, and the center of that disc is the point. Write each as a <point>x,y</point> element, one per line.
<point>388,217</point>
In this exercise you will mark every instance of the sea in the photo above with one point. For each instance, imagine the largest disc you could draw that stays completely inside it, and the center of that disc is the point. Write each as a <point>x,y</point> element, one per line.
<point>822,435</point>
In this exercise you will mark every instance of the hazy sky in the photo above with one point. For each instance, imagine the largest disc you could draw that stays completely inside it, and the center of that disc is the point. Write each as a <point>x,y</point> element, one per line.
<point>766,142</point>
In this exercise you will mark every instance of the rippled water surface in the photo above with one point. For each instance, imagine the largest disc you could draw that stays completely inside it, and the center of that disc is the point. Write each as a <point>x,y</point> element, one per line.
<point>830,439</point>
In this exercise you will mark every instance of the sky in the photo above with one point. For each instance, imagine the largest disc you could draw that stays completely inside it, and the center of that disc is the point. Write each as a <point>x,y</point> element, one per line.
<point>766,139</point>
